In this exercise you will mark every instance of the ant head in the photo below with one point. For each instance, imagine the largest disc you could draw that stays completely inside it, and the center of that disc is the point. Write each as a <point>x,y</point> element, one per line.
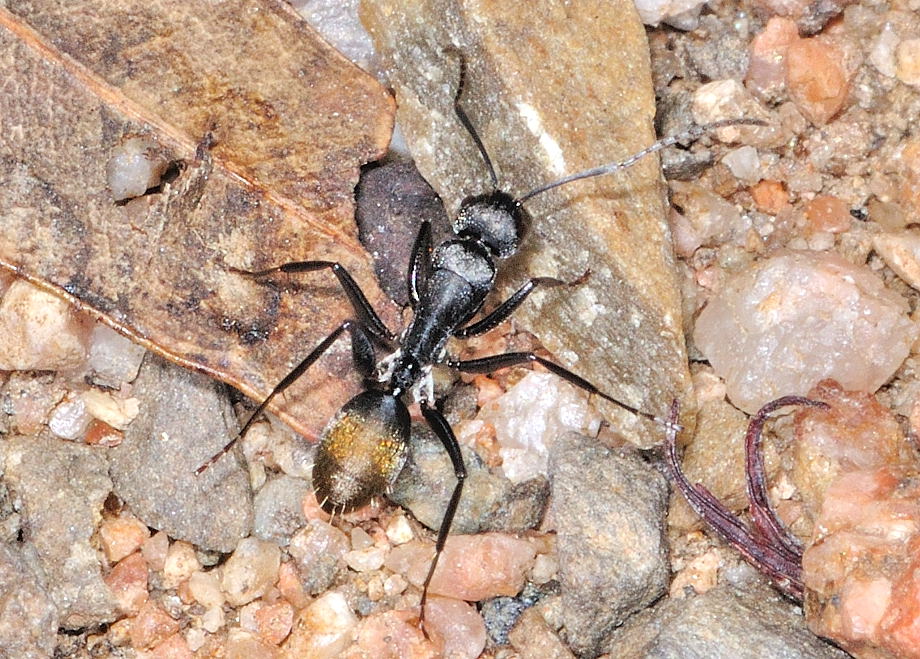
<point>496,219</point>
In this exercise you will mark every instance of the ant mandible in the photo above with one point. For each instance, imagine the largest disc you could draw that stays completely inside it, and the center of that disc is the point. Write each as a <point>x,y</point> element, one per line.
<point>364,447</point>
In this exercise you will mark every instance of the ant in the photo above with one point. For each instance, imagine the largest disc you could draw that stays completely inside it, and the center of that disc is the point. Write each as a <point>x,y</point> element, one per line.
<point>364,447</point>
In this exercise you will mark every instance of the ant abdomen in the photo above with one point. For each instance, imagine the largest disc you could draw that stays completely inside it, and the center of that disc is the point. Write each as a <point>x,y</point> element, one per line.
<point>361,451</point>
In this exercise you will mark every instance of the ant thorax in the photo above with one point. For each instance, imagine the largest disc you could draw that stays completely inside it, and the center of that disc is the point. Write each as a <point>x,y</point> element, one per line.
<point>422,390</point>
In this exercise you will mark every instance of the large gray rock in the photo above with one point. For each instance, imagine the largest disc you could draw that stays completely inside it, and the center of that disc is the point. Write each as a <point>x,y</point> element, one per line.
<point>609,512</point>
<point>61,488</point>
<point>184,418</point>
<point>723,623</point>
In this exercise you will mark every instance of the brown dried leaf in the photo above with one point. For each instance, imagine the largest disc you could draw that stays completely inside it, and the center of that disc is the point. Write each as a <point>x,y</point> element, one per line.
<point>290,122</point>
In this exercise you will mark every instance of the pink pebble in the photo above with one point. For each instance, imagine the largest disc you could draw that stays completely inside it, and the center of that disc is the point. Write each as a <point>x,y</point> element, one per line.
<point>128,583</point>
<point>121,536</point>
<point>476,567</point>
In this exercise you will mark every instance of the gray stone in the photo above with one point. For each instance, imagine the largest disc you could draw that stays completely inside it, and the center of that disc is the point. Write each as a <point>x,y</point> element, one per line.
<point>521,509</point>
<point>609,511</point>
<point>28,616</point>
<point>723,623</point>
<point>317,550</point>
<point>278,509</point>
<point>426,482</point>
<point>61,488</point>
<point>185,418</point>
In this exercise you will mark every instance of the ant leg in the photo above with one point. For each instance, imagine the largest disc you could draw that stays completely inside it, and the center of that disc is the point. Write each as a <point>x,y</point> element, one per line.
<point>419,262</point>
<point>497,362</point>
<point>506,308</point>
<point>444,432</point>
<point>362,353</point>
<point>359,302</point>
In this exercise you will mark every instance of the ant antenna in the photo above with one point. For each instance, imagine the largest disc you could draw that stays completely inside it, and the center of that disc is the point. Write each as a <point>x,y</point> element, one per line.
<point>465,120</point>
<point>692,133</point>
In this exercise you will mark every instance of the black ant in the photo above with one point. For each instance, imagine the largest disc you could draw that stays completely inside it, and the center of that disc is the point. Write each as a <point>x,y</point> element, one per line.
<point>364,447</point>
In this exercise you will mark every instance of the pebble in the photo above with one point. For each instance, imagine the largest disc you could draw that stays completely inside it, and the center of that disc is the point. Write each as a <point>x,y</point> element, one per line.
<point>134,167</point>
<point>471,568</point>
<point>882,55</point>
<point>816,78</point>
<point>532,637</point>
<point>317,550</point>
<point>458,625</point>
<point>186,419</point>
<point>174,647</point>
<point>861,570</point>
<point>744,164</point>
<point>40,332</point>
<point>766,74</point>
<point>907,55</point>
<point>128,583</point>
<point>323,629</point>
<point>653,12</point>
<point>181,562</point>
<point>728,99</point>
<point>278,510</point>
<point>901,253</point>
<point>113,359</point>
<point>70,419</point>
<point>713,220</point>
<point>61,488</point>
<point>399,530</point>
<point>274,621</point>
<point>366,560</point>
<point>152,625</point>
<point>122,535</point>
<point>111,409</point>
<point>787,322</point>
<point>154,550</point>
<point>828,213</point>
<point>205,588</point>
<point>609,511</point>
<point>29,618</point>
<point>392,635</point>
<point>770,197</point>
<point>856,433</point>
<point>551,407</point>
<point>250,571</point>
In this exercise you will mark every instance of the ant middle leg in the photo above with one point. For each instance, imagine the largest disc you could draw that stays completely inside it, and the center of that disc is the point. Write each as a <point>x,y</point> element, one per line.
<point>442,429</point>
<point>359,302</point>
<point>506,308</point>
<point>497,362</point>
<point>363,356</point>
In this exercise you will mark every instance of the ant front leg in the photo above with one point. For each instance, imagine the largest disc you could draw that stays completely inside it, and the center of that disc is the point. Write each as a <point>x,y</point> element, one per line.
<point>506,308</point>
<point>444,432</point>
<point>359,302</point>
<point>497,362</point>
<point>363,357</point>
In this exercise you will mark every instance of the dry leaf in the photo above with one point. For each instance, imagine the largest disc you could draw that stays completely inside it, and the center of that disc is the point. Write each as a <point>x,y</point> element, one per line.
<point>280,123</point>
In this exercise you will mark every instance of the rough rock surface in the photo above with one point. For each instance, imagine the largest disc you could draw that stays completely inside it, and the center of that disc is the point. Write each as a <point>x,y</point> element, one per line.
<point>28,616</point>
<point>61,487</point>
<point>546,106</point>
<point>187,419</point>
<point>609,512</point>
